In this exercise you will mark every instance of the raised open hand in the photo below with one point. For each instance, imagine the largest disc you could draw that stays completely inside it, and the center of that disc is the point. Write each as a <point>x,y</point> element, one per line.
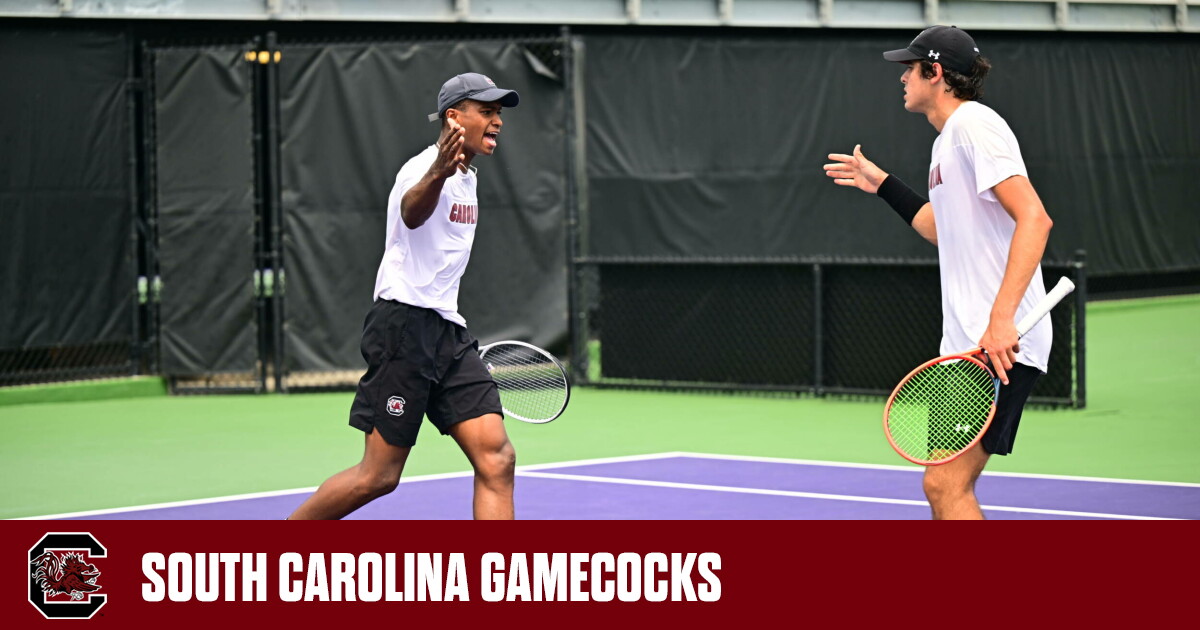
<point>855,170</point>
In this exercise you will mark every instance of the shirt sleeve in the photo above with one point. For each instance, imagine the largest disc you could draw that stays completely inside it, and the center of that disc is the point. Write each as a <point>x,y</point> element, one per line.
<point>995,154</point>
<point>410,174</point>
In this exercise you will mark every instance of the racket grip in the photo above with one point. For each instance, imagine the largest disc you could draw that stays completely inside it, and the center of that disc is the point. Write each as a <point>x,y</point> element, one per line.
<point>1052,298</point>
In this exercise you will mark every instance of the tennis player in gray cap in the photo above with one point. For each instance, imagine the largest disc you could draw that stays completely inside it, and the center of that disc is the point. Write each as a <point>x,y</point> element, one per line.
<point>421,361</point>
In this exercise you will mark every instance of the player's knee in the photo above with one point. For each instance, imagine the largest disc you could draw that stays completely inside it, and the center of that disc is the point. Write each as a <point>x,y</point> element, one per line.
<point>498,466</point>
<point>375,485</point>
<point>941,487</point>
<point>936,487</point>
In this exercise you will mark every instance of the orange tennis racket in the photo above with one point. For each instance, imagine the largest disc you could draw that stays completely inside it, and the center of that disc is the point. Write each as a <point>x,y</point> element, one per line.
<point>944,406</point>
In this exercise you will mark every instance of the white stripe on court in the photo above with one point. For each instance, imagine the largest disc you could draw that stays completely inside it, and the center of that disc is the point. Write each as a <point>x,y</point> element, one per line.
<point>232,497</point>
<point>280,493</point>
<point>917,468</point>
<point>602,460</point>
<point>817,495</point>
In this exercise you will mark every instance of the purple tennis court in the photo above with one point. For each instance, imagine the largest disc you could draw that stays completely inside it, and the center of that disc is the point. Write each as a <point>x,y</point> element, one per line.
<point>696,486</point>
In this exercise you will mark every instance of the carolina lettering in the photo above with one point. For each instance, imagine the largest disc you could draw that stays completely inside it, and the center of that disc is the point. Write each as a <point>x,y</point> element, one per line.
<point>372,577</point>
<point>464,213</point>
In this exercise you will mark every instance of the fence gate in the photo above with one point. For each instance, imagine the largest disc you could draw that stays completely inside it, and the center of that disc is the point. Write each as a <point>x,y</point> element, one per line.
<point>204,178</point>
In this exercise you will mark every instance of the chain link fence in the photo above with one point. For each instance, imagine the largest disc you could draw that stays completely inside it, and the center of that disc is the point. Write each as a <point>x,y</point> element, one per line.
<point>27,366</point>
<point>802,326</point>
<point>1132,286</point>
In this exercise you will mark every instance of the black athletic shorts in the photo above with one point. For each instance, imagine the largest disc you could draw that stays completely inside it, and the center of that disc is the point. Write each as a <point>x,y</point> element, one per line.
<point>418,364</point>
<point>999,438</point>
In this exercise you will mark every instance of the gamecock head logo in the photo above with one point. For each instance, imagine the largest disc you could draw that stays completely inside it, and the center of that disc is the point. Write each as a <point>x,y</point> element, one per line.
<point>62,578</point>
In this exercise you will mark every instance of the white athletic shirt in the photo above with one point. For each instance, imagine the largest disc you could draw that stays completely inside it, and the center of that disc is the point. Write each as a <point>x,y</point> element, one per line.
<point>423,267</point>
<point>975,151</point>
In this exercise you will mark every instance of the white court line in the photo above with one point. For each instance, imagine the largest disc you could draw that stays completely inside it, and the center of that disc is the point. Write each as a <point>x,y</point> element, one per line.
<point>232,497</point>
<point>817,495</point>
<point>280,493</point>
<point>603,460</point>
<point>916,468</point>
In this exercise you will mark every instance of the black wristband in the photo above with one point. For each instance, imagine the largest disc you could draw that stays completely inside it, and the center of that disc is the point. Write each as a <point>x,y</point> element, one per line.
<point>904,200</point>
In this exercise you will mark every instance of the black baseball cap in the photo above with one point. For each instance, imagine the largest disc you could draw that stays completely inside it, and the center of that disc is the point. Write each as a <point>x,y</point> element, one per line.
<point>474,86</point>
<point>947,45</point>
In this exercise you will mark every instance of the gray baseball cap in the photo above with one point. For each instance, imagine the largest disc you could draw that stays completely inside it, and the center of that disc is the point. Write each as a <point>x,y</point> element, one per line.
<point>948,45</point>
<point>474,86</point>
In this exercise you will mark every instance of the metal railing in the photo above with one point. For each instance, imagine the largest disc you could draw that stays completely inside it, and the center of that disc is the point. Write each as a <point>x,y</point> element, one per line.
<point>1064,15</point>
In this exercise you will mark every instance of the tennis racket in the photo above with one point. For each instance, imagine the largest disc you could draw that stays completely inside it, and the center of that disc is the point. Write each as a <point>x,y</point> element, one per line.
<point>533,384</point>
<point>943,407</point>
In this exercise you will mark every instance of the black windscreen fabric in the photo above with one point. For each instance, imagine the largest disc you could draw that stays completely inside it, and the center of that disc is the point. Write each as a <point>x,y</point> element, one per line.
<point>351,116</point>
<point>204,156</point>
<point>65,219</point>
<point>703,147</point>
<point>1109,131</point>
<point>700,147</point>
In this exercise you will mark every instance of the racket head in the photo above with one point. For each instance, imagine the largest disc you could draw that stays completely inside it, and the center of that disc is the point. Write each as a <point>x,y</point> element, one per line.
<point>941,409</point>
<point>533,384</point>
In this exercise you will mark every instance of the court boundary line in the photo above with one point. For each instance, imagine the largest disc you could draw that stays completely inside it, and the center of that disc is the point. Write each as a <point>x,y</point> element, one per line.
<point>232,497</point>
<point>916,468</point>
<point>280,493</point>
<point>822,496</point>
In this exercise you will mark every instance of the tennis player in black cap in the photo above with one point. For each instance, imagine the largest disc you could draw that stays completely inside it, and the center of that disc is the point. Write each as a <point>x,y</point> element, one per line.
<point>421,361</point>
<point>990,229</point>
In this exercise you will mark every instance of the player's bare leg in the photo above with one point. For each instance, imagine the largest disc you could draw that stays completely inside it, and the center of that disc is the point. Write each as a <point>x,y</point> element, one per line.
<point>376,475</point>
<point>950,487</point>
<point>486,445</point>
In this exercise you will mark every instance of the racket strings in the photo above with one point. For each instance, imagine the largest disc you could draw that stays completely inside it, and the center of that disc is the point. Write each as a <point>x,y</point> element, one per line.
<point>532,386</point>
<point>941,410</point>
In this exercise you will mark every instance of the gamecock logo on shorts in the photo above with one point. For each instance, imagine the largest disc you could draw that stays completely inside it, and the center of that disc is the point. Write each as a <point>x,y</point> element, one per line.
<point>395,406</point>
<point>62,578</point>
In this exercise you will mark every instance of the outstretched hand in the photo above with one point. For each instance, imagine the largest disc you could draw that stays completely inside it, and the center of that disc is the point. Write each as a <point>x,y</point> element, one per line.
<point>855,170</point>
<point>450,156</point>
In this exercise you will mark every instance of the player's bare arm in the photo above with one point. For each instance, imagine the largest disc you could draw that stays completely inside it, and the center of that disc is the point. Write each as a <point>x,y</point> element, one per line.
<point>420,201</point>
<point>1022,203</point>
<point>857,171</point>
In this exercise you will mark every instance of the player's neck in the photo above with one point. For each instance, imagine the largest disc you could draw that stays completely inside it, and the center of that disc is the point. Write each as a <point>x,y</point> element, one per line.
<point>944,106</point>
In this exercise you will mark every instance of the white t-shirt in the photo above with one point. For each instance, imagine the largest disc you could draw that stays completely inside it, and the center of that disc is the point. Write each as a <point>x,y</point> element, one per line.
<point>423,267</point>
<point>975,151</point>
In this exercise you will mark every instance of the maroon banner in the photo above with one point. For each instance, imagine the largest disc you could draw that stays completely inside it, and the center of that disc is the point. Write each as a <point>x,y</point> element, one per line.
<point>183,574</point>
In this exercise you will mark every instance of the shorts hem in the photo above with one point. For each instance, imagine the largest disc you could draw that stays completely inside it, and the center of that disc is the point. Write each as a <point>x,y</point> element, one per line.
<point>367,428</point>
<point>470,415</point>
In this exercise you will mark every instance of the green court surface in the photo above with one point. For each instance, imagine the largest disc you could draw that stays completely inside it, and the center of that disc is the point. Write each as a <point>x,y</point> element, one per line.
<point>1143,367</point>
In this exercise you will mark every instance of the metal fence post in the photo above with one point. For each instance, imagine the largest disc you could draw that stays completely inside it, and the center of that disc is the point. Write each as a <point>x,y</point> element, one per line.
<point>1079,265</point>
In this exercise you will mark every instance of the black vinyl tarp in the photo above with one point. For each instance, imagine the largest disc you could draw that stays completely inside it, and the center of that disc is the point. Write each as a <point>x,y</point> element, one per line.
<point>351,115</point>
<point>713,146</point>
<point>66,244</point>
<point>205,198</point>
